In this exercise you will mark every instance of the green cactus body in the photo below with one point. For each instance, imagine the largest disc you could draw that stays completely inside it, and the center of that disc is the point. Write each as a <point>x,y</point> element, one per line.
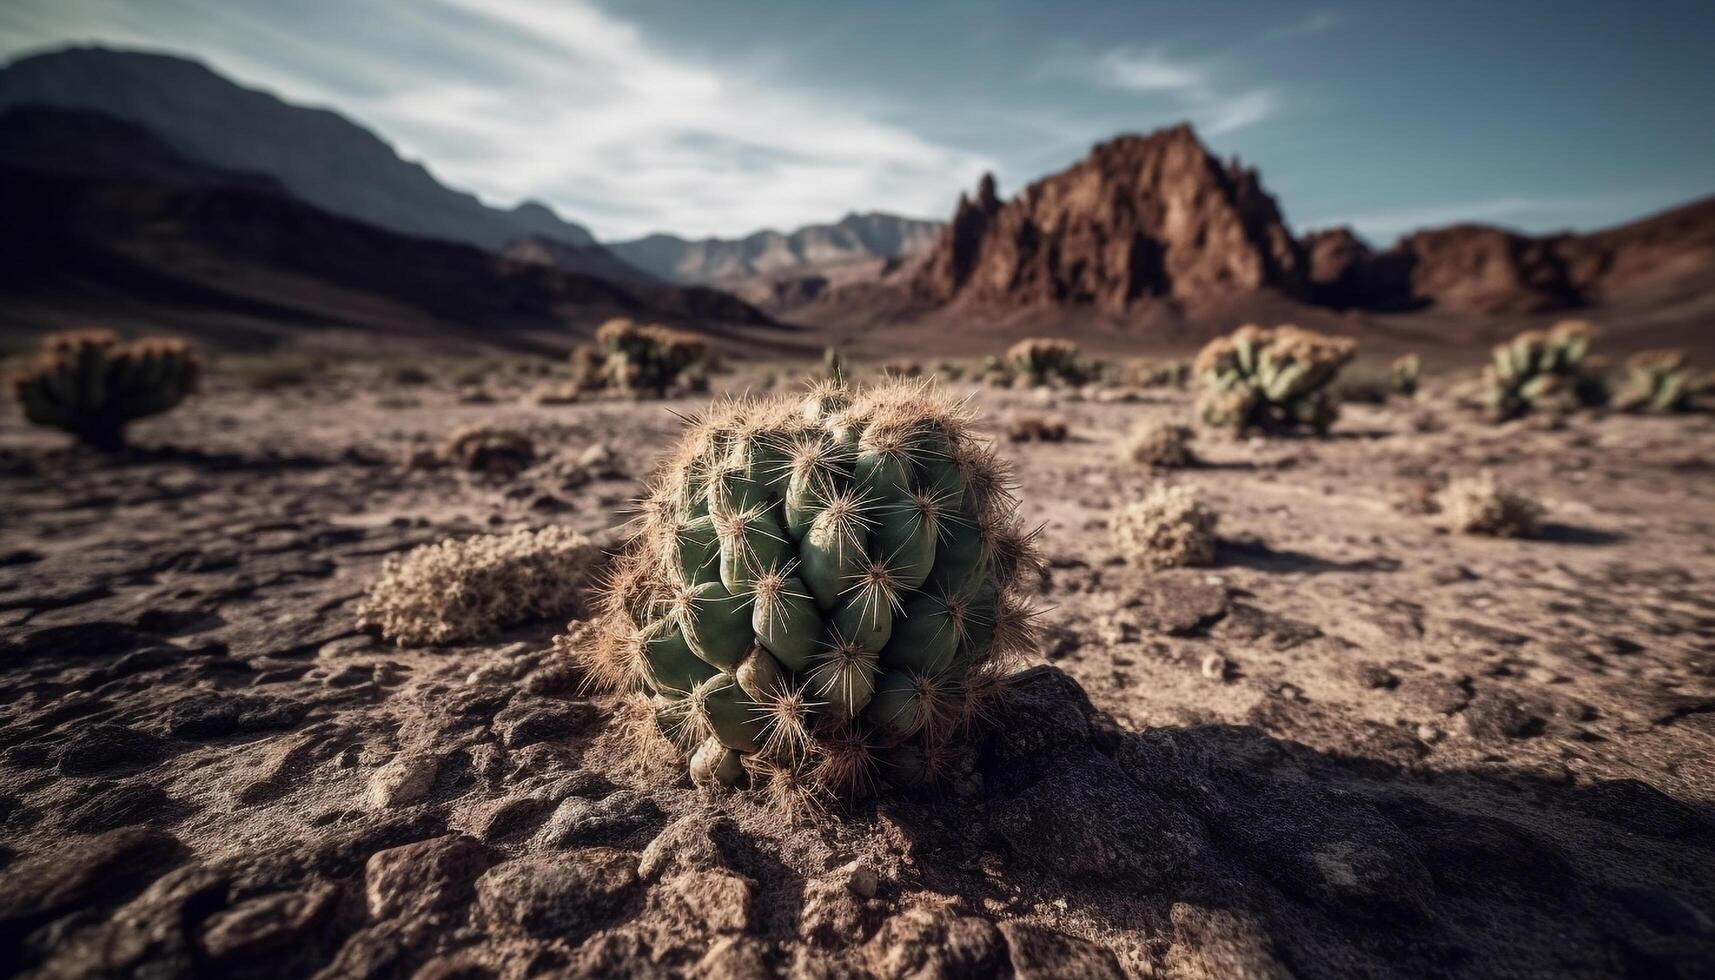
<point>651,359</point>
<point>863,596</point>
<point>1273,380</point>
<point>1660,382</point>
<point>1544,372</point>
<point>91,385</point>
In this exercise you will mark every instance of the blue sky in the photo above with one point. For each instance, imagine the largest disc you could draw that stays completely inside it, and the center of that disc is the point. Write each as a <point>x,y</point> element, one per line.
<point>722,116</point>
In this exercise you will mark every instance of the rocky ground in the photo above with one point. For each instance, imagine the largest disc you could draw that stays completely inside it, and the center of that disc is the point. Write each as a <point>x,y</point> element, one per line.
<point>1356,746</point>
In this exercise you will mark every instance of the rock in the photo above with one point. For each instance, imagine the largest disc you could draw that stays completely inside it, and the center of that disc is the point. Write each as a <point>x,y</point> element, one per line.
<point>427,877</point>
<point>1182,606</point>
<point>525,720</point>
<point>719,901</point>
<point>105,806</point>
<point>1216,942</point>
<point>1641,808</point>
<point>1141,217</point>
<point>734,958</point>
<point>1214,667</point>
<point>1494,715</point>
<point>1043,954</point>
<point>618,818</point>
<point>860,879</point>
<point>688,843</point>
<point>935,943</point>
<point>267,923</point>
<point>1433,694</point>
<point>208,716</point>
<point>404,780</point>
<point>105,746</point>
<point>99,871</point>
<point>562,896</point>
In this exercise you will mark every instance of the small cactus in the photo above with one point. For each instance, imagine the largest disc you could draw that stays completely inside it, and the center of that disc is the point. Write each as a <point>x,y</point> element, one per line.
<point>652,359</point>
<point>91,385</point>
<point>1048,360</point>
<point>1274,380</point>
<point>822,590</point>
<point>1658,382</point>
<point>1036,428</point>
<point>1168,528</point>
<point>1481,505</point>
<point>1160,444</point>
<point>1405,372</point>
<point>1547,372</point>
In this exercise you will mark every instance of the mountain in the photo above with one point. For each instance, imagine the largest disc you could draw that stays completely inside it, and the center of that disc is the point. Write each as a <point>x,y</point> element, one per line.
<point>1487,270</point>
<point>105,218</point>
<point>318,155</point>
<point>1141,218</point>
<point>770,254</point>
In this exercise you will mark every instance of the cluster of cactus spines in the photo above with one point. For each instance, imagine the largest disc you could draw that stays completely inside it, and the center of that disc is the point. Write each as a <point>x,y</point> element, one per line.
<point>1404,374</point>
<point>1048,360</point>
<point>1659,382</point>
<point>834,364</point>
<point>1545,371</point>
<point>1274,380</point>
<point>91,385</point>
<point>650,359</point>
<point>822,591</point>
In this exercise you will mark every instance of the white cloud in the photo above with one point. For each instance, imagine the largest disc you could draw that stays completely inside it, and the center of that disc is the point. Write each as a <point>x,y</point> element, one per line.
<point>1193,87</point>
<point>558,100</point>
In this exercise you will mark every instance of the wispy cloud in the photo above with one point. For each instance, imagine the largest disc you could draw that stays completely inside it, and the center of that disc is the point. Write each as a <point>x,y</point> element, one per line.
<point>561,101</point>
<point>1192,87</point>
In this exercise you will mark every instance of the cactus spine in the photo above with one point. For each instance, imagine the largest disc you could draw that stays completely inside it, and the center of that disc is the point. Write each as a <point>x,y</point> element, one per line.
<point>1275,380</point>
<point>90,384</point>
<point>822,590</point>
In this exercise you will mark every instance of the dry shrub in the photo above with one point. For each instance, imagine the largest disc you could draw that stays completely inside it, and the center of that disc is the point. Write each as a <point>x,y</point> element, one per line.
<point>1168,528</point>
<point>458,591</point>
<point>1481,505</point>
<point>1036,428</point>
<point>1161,444</point>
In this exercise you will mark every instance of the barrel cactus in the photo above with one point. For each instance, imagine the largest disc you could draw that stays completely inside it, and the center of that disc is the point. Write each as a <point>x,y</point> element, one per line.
<point>1048,360</point>
<point>90,384</point>
<point>1658,382</point>
<point>651,359</point>
<point>1275,380</point>
<point>822,592</point>
<point>1544,372</point>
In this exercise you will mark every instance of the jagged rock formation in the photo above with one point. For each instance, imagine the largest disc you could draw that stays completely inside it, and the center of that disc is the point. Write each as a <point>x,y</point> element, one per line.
<point>1140,218</point>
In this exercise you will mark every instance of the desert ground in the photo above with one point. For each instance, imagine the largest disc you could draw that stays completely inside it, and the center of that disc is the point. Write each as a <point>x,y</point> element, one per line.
<point>1354,746</point>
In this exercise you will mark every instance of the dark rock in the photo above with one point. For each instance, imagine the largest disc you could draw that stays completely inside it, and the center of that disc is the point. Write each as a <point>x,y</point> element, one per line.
<point>1494,714</point>
<point>562,896</point>
<point>105,806</point>
<point>106,746</point>
<point>1182,606</point>
<point>268,923</point>
<point>97,639</point>
<point>100,871</point>
<point>208,716</point>
<point>527,720</point>
<point>1641,808</point>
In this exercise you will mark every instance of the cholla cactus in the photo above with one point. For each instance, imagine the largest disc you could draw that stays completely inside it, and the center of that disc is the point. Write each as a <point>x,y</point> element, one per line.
<point>1404,374</point>
<point>1048,360</point>
<point>1480,505</point>
<point>488,449</point>
<point>91,385</point>
<point>822,590</point>
<point>652,359</point>
<point>1168,528</point>
<point>1161,444</point>
<point>1658,382</point>
<point>1540,371</point>
<point>1275,380</point>
<point>457,591</point>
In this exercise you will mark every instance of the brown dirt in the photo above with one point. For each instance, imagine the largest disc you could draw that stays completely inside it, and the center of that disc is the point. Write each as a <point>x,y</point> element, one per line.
<point>1355,746</point>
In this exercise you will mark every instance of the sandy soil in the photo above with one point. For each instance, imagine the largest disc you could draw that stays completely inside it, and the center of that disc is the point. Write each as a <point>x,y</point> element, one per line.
<point>1356,746</point>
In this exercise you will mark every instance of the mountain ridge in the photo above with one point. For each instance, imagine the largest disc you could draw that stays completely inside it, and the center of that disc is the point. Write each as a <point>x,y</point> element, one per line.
<point>809,249</point>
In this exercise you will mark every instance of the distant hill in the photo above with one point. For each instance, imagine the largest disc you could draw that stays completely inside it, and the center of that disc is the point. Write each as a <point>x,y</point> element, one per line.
<point>104,216</point>
<point>776,255</point>
<point>318,155</point>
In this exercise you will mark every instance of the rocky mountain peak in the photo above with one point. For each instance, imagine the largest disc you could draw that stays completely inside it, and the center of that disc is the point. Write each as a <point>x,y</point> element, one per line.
<point>1139,218</point>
